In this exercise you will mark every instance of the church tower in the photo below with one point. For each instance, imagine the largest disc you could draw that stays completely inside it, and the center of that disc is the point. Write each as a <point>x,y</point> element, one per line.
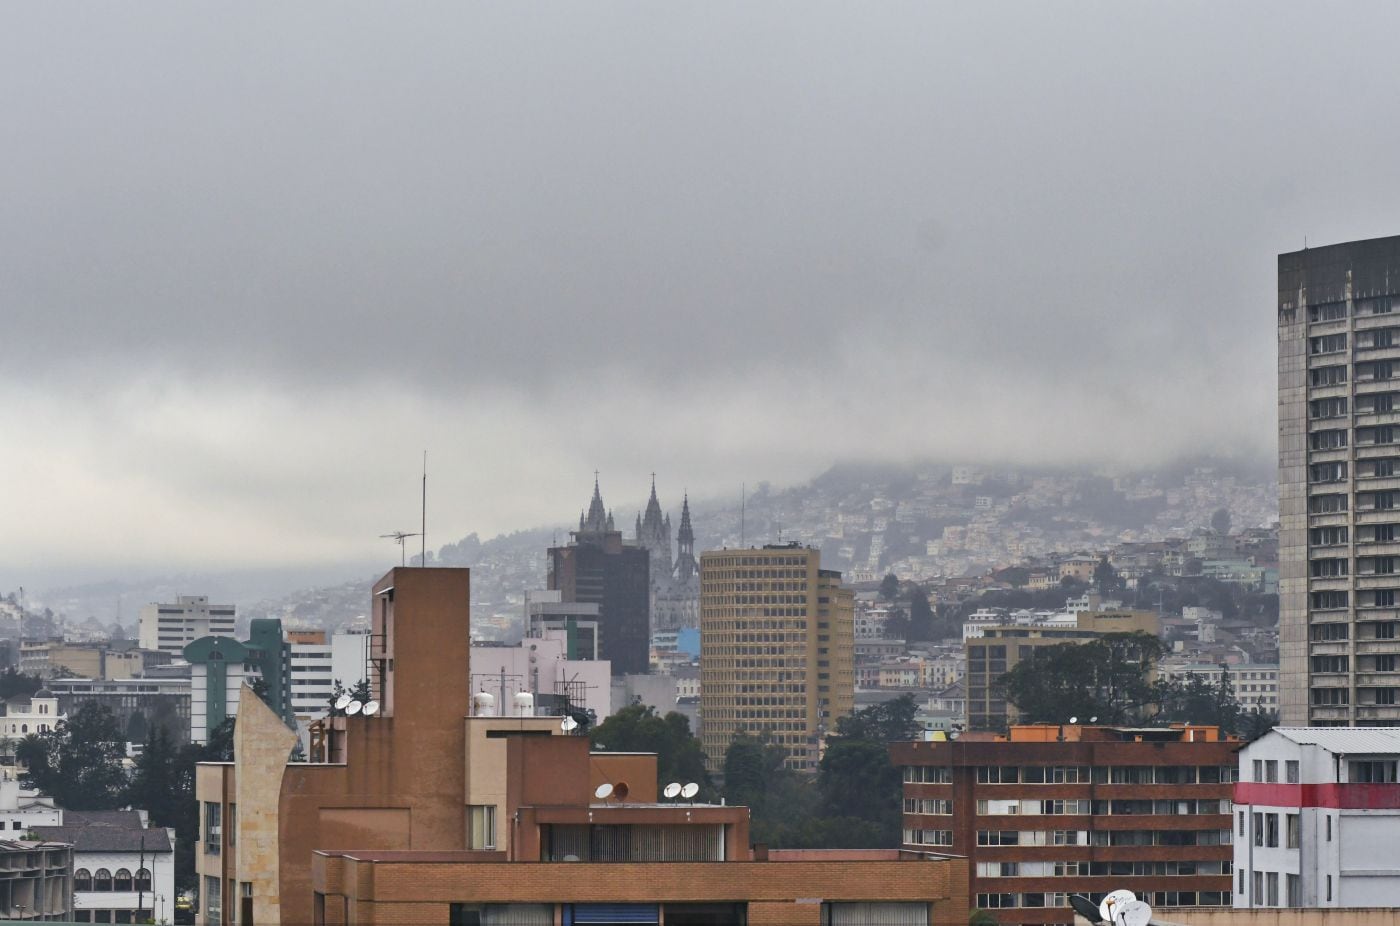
<point>686,567</point>
<point>654,534</point>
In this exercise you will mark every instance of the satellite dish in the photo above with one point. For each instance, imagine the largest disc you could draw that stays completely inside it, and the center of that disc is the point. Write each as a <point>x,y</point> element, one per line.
<point>1135,913</point>
<point>1084,907</point>
<point>342,702</point>
<point>1093,720</point>
<point>690,790</point>
<point>1074,720</point>
<point>371,708</point>
<point>1114,905</point>
<point>568,725</point>
<point>353,708</point>
<point>603,791</point>
<point>673,790</point>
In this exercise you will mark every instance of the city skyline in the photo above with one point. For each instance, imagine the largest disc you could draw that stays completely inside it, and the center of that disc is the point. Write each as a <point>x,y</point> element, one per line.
<point>241,298</point>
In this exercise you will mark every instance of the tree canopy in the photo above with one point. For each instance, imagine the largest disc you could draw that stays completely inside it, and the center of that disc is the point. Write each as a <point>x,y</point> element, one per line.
<point>639,728</point>
<point>79,762</point>
<point>1108,678</point>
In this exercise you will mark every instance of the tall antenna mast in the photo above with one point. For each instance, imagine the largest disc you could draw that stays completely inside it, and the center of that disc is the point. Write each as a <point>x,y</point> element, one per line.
<point>423,528</point>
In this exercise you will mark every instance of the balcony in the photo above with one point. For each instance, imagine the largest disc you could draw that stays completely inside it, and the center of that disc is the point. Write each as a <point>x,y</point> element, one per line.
<point>1372,548</point>
<point>1377,647</point>
<point>1368,386</point>
<point>1367,418</point>
<point>1367,354</point>
<point>1378,680</point>
<point>1390,712</point>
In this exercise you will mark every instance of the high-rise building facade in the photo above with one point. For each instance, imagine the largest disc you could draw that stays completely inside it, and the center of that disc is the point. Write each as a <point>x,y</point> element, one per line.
<point>598,568</point>
<point>777,650</point>
<point>1339,484</point>
<point>170,627</point>
<point>1048,811</point>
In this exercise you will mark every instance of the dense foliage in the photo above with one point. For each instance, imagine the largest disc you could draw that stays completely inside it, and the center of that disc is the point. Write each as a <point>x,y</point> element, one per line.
<point>1112,679</point>
<point>639,728</point>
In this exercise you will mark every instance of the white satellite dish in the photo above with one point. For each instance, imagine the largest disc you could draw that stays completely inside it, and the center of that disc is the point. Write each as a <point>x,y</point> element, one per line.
<point>371,708</point>
<point>1114,905</point>
<point>672,790</point>
<point>690,790</point>
<point>353,708</point>
<point>603,791</point>
<point>568,725</point>
<point>1074,720</point>
<point>1093,720</point>
<point>342,702</point>
<point>1135,913</point>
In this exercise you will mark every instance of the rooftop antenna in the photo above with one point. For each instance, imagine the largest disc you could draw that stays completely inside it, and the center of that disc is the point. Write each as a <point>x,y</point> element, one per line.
<point>399,537</point>
<point>423,528</point>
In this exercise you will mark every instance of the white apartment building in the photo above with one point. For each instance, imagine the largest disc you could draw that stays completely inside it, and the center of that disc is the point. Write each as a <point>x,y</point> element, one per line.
<point>1255,685</point>
<point>1317,819</point>
<point>170,627</point>
<point>312,673</point>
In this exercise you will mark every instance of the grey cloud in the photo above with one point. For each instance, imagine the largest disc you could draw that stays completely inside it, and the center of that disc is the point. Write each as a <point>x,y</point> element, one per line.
<point>926,220</point>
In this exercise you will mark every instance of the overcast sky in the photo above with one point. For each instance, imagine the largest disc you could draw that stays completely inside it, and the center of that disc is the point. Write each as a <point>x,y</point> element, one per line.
<point>254,258</point>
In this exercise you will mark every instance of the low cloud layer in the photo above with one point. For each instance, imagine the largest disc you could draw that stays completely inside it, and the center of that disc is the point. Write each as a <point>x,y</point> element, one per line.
<point>254,262</point>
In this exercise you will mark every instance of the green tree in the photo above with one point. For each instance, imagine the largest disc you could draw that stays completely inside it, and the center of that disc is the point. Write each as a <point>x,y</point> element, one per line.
<point>889,587</point>
<point>979,917</point>
<point>921,618</point>
<point>1220,521</point>
<point>1106,578</point>
<point>79,763</point>
<point>155,783</point>
<point>858,781</point>
<point>14,682</point>
<point>1108,678</point>
<point>638,728</point>
<point>890,721</point>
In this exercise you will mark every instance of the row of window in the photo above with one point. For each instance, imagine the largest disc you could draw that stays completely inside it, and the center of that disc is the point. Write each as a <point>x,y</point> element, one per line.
<point>1155,898</point>
<point>1373,305</point>
<point>1264,889</point>
<point>104,880</point>
<point>1367,533</point>
<point>1040,869</point>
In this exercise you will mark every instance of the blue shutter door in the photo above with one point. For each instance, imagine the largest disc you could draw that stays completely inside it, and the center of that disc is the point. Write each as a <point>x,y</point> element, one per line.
<point>615,914</point>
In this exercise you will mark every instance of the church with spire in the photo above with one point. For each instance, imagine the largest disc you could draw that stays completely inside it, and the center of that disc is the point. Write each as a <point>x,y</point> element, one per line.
<point>675,580</point>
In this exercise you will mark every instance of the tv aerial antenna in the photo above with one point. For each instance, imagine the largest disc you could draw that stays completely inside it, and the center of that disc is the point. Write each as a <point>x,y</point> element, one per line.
<point>399,537</point>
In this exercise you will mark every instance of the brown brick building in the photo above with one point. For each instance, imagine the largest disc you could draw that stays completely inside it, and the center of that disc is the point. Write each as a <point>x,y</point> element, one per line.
<point>424,814</point>
<point>1048,811</point>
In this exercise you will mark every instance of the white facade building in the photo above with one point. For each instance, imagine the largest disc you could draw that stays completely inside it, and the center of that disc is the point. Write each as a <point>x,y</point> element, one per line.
<point>1317,819</point>
<point>20,809</point>
<point>169,627</point>
<point>539,665</point>
<point>123,869</point>
<point>312,673</point>
<point>1255,685</point>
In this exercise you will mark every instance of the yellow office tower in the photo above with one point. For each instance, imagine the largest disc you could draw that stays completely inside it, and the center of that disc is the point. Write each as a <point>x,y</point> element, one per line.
<point>777,650</point>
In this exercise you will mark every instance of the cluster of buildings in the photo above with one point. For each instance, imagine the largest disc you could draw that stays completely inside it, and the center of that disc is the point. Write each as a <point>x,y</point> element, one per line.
<point>445,806</point>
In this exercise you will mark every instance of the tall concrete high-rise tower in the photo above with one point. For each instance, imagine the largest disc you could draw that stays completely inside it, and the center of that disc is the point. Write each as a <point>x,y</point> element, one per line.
<point>1339,484</point>
<point>777,650</point>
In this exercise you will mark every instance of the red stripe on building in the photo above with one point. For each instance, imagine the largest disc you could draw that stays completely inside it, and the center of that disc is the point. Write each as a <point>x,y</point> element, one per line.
<point>1335,796</point>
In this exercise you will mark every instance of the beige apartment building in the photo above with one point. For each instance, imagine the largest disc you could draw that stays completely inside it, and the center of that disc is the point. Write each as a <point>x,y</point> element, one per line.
<point>1001,647</point>
<point>777,650</point>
